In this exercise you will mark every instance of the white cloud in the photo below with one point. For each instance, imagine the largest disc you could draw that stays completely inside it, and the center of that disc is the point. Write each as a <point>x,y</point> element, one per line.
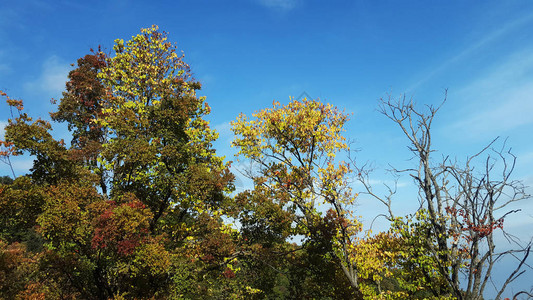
<point>242,182</point>
<point>2,131</point>
<point>22,165</point>
<point>526,159</point>
<point>502,99</point>
<point>224,130</point>
<point>53,77</point>
<point>474,47</point>
<point>281,5</point>
<point>225,137</point>
<point>207,79</point>
<point>390,183</point>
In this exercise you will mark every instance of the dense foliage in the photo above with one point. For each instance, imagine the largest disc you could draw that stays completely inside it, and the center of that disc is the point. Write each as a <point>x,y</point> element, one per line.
<point>139,206</point>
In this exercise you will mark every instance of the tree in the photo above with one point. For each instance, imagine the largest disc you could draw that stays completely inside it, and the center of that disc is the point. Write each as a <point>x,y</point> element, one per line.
<point>397,264</point>
<point>80,106</point>
<point>293,150</point>
<point>20,205</point>
<point>465,204</point>
<point>6,180</point>
<point>18,273</point>
<point>138,195</point>
<point>22,134</point>
<point>141,126</point>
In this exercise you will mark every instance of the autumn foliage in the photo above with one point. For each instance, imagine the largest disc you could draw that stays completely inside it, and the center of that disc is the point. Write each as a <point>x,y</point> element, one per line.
<point>138,205</point>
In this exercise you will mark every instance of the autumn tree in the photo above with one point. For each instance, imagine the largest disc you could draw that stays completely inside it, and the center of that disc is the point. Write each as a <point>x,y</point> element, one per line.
<point>397,264</point>
<point>80,106</point>
<point>21,201</point>
<point>298,178</point>
<point>137,120</point>
<point>17,269</point>
<point>465,206</point>
<point>138,196</point>
<point>20,205</point>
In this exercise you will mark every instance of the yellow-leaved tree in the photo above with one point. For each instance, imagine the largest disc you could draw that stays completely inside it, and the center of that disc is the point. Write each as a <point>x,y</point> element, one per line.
<point>294,151</point>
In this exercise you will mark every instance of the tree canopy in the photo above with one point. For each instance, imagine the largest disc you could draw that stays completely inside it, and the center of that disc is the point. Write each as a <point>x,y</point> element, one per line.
<point>138,205</point>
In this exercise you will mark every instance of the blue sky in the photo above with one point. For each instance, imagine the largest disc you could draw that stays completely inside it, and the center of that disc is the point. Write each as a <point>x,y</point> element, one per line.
<point>349,53</point>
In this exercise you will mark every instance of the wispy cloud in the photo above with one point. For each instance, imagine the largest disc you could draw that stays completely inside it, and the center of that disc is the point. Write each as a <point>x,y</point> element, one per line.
<point>239,170</point>
<point>53,77</point>
<point>388,182</point>
<point>3,124</point>
<point>8,15</point>
<point>483,42</point>
<point>22,165</point>
<point>502,99</point>
<point>280,5</point>
<point>207,79</point>
<point>4,68</point>
<point>526,158</point>
<point>224,130</point>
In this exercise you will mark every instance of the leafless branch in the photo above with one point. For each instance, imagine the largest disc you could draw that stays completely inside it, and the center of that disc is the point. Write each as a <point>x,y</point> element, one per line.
<point>461,199</point>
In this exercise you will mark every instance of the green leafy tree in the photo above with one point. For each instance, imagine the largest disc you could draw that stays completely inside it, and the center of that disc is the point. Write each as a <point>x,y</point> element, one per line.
<point>6,180</point>
<point>159,144</point>
<point>20,205</point>
<point>398,264</point>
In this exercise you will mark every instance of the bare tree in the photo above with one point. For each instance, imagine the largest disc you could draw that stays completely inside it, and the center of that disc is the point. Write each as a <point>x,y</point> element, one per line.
<point>467,203</point>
